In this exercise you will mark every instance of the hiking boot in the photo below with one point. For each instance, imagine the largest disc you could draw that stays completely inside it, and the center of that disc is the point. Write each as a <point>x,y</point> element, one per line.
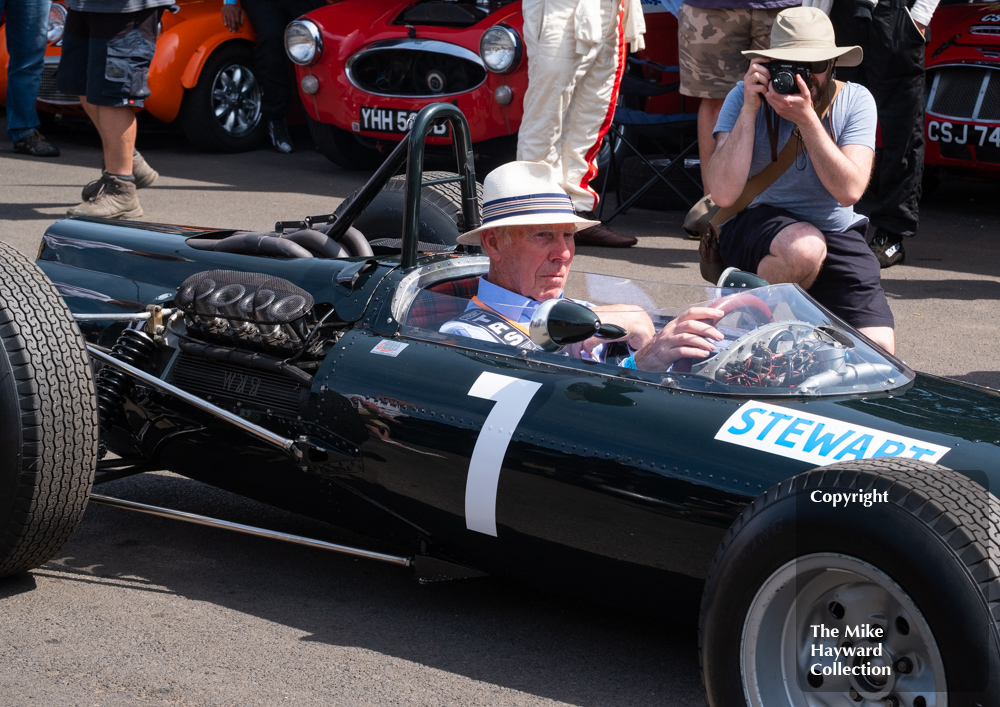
<point>601,235</point>
<point>115,198</point>
<point>277,130</point>
<point>144,176</point>
<point>35,145</point>
<point>888,248</point>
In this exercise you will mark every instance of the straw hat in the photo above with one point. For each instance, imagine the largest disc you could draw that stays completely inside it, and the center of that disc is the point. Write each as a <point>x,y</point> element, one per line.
<point>524,194</point>
<point>806,34</point>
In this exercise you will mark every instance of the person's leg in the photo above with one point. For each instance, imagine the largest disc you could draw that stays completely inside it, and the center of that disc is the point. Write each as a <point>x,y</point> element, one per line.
<point>552,72</point>
<point>27,23</point>
<point>774,244</point>
<point>269,19</point>
<point>884,336</point>
<point>592,109</point>
<point>850,285</point>
<point>796,255</point>
<point>116,126</point>
<point>896,79</point>
<point>710,46</point>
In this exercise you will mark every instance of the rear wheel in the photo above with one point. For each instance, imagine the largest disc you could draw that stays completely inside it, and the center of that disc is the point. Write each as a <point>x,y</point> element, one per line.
<point>48,418</point>
<point>913,577</point>
<point>441,219</point>
<point>222,113</point>
<point>343,148</point>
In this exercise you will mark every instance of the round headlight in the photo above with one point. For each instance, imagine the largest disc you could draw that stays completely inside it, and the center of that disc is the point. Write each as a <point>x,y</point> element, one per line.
<point>303,42</point>
<point>500,49</point>
<point>57,22</point>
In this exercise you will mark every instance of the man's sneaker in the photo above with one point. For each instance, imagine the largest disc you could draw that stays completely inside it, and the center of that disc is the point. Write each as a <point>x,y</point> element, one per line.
<point>115,198</point>
<point>35,145</point>
<point>144,176</point>
<point>601,235</point>
<point>888,248</point>
<point>277,130</point>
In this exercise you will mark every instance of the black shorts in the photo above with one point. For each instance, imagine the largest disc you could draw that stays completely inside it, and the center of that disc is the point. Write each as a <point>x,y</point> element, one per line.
<point>106,56</point>
<point>850,282</point>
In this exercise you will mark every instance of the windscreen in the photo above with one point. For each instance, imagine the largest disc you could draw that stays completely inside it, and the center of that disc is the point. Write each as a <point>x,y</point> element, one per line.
<point>775,340</point>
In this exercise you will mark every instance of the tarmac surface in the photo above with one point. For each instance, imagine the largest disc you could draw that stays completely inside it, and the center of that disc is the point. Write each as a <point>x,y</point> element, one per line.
<point>137,610</point>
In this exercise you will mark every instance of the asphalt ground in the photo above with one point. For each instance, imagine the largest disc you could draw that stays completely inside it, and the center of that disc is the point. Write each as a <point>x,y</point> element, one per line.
<point>139,610</point>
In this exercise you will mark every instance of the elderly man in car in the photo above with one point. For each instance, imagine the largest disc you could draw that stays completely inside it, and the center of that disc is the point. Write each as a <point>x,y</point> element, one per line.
<point>527,232</point>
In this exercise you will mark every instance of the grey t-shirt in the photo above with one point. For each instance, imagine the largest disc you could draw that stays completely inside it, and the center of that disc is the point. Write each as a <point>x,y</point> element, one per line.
<point>117,7</point>
<point>799,189</point>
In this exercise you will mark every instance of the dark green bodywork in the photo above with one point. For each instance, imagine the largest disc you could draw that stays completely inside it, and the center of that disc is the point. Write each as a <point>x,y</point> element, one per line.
<point>611,479</point>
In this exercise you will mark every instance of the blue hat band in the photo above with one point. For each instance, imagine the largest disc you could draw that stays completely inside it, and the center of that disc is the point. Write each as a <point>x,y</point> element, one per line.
<point>527,205</point>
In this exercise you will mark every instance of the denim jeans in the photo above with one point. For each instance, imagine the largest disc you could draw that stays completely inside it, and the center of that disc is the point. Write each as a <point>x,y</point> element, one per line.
<point>27,24</point>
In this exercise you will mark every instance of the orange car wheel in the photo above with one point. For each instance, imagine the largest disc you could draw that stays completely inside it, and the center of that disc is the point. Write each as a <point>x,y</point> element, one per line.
<point>222,113</point>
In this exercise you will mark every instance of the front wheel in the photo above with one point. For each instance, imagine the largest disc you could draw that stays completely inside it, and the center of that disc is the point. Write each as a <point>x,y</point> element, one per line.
<point>894,603</point>
<point>342,148</point>
<point>48,417</point>
<point>222,113</point>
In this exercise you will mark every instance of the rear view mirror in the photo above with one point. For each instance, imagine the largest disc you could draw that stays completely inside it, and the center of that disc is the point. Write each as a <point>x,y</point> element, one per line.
<point>558,322</point>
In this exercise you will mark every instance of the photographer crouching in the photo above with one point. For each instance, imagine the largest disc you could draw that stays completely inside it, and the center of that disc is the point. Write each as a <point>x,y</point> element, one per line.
<point>818,135</point>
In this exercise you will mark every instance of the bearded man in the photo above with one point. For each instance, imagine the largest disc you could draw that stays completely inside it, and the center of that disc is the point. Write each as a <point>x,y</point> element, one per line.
<point>803,227</point>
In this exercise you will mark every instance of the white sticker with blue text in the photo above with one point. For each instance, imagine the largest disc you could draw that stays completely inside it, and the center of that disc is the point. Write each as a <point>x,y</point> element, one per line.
<point>815,439</point>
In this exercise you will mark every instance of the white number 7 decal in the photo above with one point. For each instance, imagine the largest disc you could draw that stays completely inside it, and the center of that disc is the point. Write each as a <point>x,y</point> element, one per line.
<point>512,396</point>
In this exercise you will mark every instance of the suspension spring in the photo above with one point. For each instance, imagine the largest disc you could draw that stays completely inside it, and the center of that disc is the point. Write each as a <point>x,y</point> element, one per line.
<point>135,348</point>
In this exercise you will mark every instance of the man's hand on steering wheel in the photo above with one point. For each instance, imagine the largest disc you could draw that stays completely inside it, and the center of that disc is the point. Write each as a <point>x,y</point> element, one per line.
<point>687,336</point>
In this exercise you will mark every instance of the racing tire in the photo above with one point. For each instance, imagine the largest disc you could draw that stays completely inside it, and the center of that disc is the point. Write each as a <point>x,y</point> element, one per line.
<point>48,418</point>
<point>222,113</point>
<point>343,148</point>
<point>922,565</point>
<point>441,219</point>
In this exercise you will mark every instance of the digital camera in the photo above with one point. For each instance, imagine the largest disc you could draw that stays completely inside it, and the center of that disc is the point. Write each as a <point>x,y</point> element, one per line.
<point>783,75</point>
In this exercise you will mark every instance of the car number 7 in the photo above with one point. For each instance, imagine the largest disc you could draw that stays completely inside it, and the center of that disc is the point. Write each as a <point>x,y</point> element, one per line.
<point>512,396</point>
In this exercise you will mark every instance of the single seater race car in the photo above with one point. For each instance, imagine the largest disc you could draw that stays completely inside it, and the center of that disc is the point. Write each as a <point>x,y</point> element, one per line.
<point>833,506</point>
<point>201,77</point>
<point>962,123</point>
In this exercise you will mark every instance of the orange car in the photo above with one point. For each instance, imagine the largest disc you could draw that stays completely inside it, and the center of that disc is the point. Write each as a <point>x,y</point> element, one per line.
<point>201,77</point>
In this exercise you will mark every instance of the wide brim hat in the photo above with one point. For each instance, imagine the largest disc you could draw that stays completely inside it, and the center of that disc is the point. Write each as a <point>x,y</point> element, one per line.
<point>525,194</point>
<point>803,34</point>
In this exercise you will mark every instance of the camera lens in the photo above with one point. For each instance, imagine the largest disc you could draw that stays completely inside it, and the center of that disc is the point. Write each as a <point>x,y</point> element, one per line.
<point>784,82</point>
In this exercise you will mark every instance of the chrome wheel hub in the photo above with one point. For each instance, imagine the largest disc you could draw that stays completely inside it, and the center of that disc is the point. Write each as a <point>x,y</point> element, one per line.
<point>829,629</point>
<point>236,99</point>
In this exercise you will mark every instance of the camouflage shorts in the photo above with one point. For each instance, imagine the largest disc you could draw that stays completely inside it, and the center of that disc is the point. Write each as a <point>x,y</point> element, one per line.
<point>710,42</point>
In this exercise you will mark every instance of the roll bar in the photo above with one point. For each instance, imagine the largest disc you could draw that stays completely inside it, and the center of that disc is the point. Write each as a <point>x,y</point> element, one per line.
<point>411,150</point>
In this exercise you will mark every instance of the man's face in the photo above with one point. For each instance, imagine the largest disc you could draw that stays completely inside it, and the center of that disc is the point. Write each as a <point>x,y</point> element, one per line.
<point>819,82</point>
<point>534,263</point>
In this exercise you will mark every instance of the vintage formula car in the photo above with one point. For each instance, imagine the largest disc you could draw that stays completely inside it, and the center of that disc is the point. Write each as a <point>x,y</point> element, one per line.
<point>962,123</point>
<point>201,77</point>
<point>833,505</point>
<point>366,68</point>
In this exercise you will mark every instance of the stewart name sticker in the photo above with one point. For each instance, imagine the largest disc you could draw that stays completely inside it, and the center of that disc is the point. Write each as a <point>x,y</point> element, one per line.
<point>815,439</point>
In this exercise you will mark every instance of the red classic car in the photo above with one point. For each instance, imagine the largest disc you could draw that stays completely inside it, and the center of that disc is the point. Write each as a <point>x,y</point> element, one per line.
<point>963,84</point>
<point>201,76</point>
<point>365,68</point>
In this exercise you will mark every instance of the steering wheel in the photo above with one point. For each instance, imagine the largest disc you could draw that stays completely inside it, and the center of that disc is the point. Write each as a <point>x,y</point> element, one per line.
<point>744,302</point>
<point>747,303</point>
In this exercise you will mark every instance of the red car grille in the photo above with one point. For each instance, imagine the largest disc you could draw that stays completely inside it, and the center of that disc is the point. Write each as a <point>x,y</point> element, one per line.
<point>965,93</point>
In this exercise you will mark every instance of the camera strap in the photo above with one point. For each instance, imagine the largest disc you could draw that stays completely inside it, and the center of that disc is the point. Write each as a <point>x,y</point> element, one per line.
<point>756,185</point>
<point>773,122</point>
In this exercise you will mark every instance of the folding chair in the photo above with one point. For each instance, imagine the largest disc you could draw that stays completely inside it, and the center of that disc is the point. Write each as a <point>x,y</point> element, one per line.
<point>635,129</point>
